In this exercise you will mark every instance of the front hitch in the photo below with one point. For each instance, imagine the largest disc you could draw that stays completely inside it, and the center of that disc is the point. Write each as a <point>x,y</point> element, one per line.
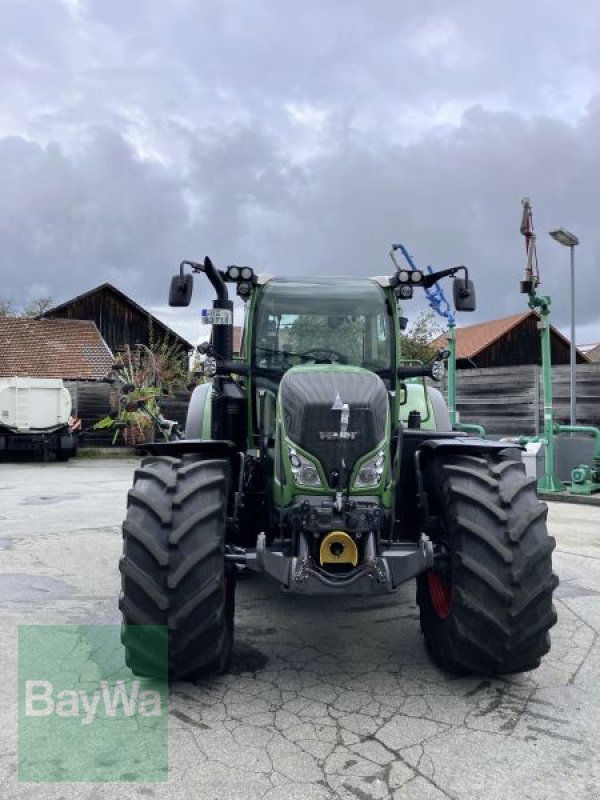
<point>378,575</point>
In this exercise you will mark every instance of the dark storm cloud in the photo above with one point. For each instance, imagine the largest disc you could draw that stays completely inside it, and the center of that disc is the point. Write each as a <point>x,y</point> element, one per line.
<point>298,138</point>
<point>68,222</point>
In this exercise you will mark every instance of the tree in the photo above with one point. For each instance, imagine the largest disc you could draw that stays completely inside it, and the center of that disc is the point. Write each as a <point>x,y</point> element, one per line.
<point>37,306</point>
<point>416,341</point>
<point>33,308</point>
<point>7,309</point>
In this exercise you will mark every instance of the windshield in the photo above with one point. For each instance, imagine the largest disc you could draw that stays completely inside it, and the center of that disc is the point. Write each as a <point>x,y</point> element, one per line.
<point>300,322</point>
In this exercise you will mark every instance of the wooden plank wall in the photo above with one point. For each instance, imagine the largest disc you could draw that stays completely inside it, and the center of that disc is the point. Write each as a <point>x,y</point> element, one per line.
<point>588,394</point>
<point>508,401</point>
<point>91,401</point>
<point>176,406</point>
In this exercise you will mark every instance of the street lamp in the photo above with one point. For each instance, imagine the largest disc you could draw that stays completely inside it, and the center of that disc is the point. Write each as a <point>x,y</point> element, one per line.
<point>569,239</point>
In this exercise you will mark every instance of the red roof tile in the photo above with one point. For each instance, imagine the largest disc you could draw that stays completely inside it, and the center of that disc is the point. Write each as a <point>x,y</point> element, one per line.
<point>472,339</point>
<point>52,348</point>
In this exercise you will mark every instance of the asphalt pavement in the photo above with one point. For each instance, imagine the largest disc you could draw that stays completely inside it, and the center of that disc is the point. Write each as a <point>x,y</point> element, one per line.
<point>326,698</point>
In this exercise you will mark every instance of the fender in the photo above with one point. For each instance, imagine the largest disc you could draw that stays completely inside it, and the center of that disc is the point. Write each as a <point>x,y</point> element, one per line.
<point>198,420</point>
<point>470,445</point>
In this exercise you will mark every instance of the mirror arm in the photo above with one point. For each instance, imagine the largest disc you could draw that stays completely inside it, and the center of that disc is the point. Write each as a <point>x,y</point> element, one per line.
<point>215,276</point>
<point>193,264</point>
<point>434,277</point>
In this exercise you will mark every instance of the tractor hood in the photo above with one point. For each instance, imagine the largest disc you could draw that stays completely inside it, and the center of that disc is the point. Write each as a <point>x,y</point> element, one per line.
<point>336,413</point>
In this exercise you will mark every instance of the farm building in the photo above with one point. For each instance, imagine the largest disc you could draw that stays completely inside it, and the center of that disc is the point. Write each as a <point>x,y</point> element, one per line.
<point>591,351</point>
<point>120,320</point>
<point>507,342</point>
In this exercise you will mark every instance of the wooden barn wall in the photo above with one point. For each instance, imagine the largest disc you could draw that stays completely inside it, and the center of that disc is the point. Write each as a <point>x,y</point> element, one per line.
<point>94,400</point>
<point>119,323</point>
<point>502,399</point>
<point>91,400</point>
<point>176,406</point>
<point>519,347</point>
<point>508,401</point>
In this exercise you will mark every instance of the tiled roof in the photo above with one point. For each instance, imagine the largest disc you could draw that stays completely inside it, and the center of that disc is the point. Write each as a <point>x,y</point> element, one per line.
<point>592,351</point>
<point>472,339</point>
<point>52,348</point>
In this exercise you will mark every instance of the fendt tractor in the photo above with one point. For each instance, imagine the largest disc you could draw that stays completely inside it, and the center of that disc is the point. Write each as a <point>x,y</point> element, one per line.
<point>326,461</point>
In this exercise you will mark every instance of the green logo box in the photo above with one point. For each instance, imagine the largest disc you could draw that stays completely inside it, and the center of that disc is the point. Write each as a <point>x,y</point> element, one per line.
<point>83,715</point>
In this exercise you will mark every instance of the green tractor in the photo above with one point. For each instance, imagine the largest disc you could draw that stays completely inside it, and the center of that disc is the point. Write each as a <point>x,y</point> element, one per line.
<point>324,460</point>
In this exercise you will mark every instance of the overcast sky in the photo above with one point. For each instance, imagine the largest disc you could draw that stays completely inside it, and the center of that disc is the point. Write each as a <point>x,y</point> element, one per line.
<point>300,138</point>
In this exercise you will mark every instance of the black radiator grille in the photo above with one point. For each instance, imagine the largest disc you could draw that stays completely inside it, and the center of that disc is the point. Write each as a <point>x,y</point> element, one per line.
<point>307,398</point>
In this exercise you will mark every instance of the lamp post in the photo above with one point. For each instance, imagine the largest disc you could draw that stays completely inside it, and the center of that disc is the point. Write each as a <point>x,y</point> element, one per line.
<point>569,239</point>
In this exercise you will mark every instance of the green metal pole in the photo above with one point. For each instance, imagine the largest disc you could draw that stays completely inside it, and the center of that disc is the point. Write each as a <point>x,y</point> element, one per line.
<point>452,410</point>
<point>452,372</point>
<point>548,482</point>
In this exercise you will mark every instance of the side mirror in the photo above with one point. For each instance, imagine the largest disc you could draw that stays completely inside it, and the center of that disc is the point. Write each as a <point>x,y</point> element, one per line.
<point>403,394</point>
<point>464,294</point>
<point>180,293</point>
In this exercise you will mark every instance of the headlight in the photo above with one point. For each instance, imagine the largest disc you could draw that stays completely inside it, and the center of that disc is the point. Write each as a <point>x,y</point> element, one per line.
<point>438,370</point>
<point>370,472</point>
<point>210,366</point>
<point>304,471</point>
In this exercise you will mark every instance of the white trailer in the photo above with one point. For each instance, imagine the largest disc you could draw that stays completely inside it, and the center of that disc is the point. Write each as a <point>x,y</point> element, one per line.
<point>34,417</point>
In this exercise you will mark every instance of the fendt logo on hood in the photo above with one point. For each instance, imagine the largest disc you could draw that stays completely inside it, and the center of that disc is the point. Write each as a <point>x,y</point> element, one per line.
<point>343,434</point>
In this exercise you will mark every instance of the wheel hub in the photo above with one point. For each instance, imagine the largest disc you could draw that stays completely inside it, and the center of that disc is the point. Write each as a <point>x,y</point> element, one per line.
<point>440,593</point>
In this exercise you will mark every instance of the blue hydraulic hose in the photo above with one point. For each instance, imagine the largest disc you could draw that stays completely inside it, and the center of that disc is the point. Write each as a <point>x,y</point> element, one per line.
<point>435,294</point>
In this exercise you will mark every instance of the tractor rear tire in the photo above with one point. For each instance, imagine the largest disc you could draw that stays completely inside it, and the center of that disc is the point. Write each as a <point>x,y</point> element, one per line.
<point>488,610</point>
<point>173,569</point>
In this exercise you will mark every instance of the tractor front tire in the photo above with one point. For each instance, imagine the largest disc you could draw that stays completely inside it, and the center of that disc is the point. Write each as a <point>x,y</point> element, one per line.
<point>487,608</point>
<point>173,571</point>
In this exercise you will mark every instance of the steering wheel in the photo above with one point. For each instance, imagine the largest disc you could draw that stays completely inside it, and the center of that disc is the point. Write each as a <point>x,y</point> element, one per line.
<point>323,355</point>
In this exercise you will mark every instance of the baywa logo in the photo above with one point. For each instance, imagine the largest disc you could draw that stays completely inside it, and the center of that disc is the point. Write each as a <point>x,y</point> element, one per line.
<point>42,701</point>
<point>83,716</point>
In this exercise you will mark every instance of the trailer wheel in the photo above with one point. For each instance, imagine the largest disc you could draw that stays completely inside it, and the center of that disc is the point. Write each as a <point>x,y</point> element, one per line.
<point>173,569</point>
<point>487,608</point>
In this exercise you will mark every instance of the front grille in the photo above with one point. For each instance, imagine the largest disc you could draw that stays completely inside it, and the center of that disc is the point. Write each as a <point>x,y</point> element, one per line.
<point>308,396</point>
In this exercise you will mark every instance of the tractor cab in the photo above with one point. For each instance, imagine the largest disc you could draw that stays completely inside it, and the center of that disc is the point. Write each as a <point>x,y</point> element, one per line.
<point>322,321</point>
<point>316,323</point>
